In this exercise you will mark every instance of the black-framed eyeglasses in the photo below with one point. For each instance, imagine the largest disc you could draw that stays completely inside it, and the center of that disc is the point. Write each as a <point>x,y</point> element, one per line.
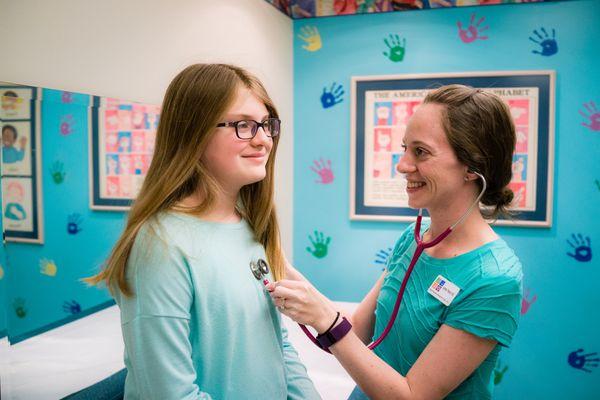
<point>247,128</point>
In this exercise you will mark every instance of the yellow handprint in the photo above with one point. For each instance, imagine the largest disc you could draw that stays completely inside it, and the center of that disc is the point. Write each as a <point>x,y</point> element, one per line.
<point>48,267</point>
<point>1,272</point>
<point>310,35</point>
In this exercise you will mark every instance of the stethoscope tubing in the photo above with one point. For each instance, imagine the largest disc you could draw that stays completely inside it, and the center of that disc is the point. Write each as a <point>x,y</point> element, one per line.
<point>421,246</point>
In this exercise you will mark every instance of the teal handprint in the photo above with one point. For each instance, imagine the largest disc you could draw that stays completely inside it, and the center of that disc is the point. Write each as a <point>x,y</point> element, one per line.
<point>320,244</point>
<point>396,48</point>
<point>57,172</point>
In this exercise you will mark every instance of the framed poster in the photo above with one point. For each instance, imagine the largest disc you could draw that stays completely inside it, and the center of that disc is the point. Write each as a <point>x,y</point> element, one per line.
<point>20,121</point>
<point>381,107</point>
<point>122,139</point>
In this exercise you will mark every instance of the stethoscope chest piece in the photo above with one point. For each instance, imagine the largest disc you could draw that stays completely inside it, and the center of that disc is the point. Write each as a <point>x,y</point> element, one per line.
<point>259,268</point>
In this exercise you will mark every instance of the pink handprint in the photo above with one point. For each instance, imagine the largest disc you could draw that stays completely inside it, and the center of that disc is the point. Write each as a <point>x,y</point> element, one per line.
<point>527,302</point>
<point>594,116</point>
<point>323,169</point>
<point>66,125</point>
<point>473,31</point>
<point>66,97</point>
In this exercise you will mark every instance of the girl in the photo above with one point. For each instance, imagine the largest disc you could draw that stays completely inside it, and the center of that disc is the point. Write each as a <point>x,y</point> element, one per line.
<point>196,323</point>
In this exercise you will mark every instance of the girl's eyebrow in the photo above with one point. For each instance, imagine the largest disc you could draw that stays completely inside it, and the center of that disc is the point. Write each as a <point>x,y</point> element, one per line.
<point>244,116</point>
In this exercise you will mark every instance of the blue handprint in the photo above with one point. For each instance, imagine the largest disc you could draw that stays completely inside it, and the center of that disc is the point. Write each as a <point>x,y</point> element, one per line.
<point>581,361</point>
<point>333,96</point>
<point>74,224</point>
<point>71,307</point>
<point>549,45</point>
<point>382,257</point>
<point>582,246</point>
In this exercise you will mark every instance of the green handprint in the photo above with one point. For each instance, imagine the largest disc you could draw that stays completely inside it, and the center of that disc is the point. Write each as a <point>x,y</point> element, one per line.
<point>396,48</point>
<point>58,175</point>
<point>499,372</point>
<point>19,306</point>
<point>320,245</point>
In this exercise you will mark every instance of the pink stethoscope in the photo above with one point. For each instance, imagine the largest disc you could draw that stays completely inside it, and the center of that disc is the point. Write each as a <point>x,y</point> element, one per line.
<point>421,246</point>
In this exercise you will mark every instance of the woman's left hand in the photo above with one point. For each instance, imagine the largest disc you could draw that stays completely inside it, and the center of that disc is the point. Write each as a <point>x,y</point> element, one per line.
<point>300,301</point>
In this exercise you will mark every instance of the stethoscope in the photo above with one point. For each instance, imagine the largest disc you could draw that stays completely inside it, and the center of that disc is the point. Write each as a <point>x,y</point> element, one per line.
<point>258,270</point>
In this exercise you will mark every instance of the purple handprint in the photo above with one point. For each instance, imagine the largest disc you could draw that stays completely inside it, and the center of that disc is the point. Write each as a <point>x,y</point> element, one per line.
<point>526,302</point>
<point>593,117</point>
<point>473,31</point>
<point>323,169</point>
<point>549,45</point>
<point>581,361</point>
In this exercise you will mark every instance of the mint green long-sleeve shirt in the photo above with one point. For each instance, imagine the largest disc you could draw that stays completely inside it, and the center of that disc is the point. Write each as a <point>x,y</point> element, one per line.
<point>199,325</point>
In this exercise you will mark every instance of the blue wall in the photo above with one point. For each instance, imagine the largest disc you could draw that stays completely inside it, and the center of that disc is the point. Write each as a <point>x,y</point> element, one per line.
<point>49,300</point>
<point>561,320</point>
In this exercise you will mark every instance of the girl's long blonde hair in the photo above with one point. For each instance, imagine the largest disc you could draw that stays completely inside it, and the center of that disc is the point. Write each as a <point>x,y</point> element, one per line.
<point>194,102</point>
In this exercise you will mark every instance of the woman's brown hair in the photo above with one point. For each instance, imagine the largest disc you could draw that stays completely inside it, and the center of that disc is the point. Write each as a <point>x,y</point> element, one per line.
<point>194,102</point>
<point>480,129</point>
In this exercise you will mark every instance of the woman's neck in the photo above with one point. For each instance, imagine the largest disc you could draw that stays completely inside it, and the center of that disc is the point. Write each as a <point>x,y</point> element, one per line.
<point>471,233</point>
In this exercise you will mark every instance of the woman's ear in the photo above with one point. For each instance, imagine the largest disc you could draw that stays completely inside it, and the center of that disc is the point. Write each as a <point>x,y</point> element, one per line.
<point>470,176</point>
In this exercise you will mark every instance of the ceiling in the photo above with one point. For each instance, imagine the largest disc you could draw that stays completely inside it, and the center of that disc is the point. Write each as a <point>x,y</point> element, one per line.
<point>298,9</point>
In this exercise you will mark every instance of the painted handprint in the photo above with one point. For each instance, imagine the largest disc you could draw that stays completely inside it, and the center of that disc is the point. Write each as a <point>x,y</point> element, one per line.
<point>1,272</point>
<point>320,245</point>
<point>74,224</point>
<point>48,267</point>
<point>499,372</point>
<point>323,169</point>
<point>66,125</point>
<point>333,96</point>
<point>57,172</point>
<point>473,31</point>
<point>549,45</point>
<point>19,307</point>
<point>66,97</point>
<point>71,307</point>
<point>526,302</point>
<point>583,361</point>
<point>382,257</point>
<point>593,117</point>
<point>310,35</point>
<point>582,247</point>
<point>396,48</point>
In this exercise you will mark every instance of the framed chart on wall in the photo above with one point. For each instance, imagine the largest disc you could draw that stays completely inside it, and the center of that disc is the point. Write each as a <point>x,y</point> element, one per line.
<point>20,120</point>
<point>381,107</point>
<point>122,139</point>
